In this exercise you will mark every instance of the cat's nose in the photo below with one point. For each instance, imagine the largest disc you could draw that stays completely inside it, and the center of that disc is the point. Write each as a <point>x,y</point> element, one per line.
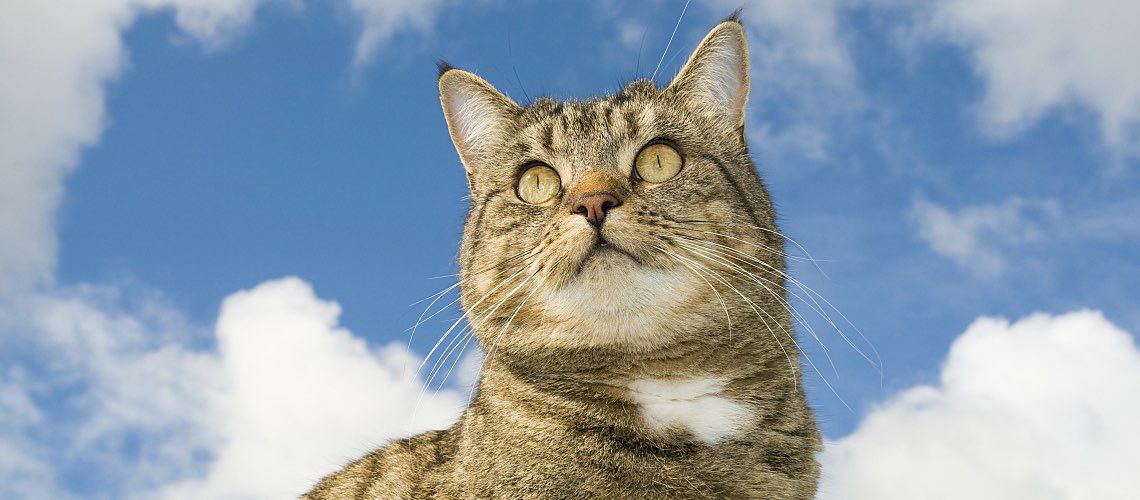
<point>594,206</point>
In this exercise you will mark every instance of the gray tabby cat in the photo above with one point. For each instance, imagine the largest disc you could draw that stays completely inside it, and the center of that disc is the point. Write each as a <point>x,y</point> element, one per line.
<point>622,268</point>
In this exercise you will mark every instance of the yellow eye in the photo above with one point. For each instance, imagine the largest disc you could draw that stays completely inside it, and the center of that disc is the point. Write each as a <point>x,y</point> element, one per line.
<point>657,163</point>
<point>539,184</point>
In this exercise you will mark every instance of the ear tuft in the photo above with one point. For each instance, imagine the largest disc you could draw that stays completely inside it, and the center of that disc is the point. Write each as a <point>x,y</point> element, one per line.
<point>734,17</point>
<point>477,115</point>
<point>716,75</point>
<point>443,67</point>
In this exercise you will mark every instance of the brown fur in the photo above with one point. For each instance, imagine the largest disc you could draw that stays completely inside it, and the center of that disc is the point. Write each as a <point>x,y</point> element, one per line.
<point>567,330</point>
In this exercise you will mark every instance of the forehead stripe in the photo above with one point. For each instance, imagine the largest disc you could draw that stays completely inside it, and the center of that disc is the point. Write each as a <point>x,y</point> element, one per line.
<point>631,123</point>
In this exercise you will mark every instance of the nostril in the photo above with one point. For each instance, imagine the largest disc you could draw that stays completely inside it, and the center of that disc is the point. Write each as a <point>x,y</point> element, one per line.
<point>594,206</point>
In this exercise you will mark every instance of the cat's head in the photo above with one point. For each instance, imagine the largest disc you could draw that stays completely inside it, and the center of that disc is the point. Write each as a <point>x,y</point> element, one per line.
<point>613,223</point>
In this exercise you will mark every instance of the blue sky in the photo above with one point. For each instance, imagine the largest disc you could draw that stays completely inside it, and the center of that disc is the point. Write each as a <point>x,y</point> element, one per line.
<point>941,161</point>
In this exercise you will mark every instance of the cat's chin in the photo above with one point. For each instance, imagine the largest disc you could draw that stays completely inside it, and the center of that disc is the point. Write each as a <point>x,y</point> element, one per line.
<point>605,260</point>
<point>613,299</point>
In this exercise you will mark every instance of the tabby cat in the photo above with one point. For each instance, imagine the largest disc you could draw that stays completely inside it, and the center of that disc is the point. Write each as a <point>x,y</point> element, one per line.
<point>622,268</point>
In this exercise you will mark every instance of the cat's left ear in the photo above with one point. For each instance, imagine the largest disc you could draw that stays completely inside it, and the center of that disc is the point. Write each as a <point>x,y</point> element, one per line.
<point>716,75</point>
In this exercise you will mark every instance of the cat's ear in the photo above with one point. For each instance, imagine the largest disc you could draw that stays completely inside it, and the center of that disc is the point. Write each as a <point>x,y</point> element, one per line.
<point>716,75</point>
<point>477,115</point>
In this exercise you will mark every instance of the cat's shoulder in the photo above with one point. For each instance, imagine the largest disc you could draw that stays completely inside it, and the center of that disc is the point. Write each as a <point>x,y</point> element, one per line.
<point>400,469</point>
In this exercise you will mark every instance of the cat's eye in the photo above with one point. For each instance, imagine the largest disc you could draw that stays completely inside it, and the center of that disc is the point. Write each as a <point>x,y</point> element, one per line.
<point>538,184</point>
<point>657,162</point>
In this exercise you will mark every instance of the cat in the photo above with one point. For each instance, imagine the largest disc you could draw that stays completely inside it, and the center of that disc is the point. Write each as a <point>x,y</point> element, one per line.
<point>622,268</point>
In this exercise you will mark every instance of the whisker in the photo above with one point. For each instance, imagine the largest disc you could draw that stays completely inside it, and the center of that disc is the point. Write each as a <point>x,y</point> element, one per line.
<point>727,316</point>
<point>797,244</point>
<point>811,301</point>
<point>461,317</point>
<point>670,42</point>
<point>808,257</point>
<point>791,364</point>
<point>790,336</point>
<point>796,316</point>
<point>487,317</point>
<point>536,288</point>
<point>483,317</point>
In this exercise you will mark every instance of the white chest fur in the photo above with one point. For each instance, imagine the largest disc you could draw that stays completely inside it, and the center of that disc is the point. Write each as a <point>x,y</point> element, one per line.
<point>695,405</point>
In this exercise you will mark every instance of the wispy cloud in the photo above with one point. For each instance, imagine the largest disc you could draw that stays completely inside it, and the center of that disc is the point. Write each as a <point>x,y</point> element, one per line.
<point>58,58</point>
<point>1037,58</point>
<point>976,237</point>
<point>804,82</point>
<point>381,19</point>
<point>1043,408</point>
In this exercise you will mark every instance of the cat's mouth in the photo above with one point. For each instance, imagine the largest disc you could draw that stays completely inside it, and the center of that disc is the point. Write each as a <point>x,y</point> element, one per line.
<point>604,250</point>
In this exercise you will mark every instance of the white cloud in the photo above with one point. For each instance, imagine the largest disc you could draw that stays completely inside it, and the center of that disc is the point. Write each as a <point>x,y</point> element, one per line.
<point>304,396</point>
<point>117,389</point>
<point>24,472</point>
<point>631,35</point>
<point>1044,408</point>
<point>122,393</point>
<point>111,388</point>
<point>803,78</point>
<point>1040,57</point>
<point>381,19</point>
<point>58,56</point>
<point>976,236</point>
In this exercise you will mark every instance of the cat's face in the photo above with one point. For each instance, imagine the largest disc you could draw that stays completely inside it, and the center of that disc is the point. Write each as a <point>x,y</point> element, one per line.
<point>612,223</point>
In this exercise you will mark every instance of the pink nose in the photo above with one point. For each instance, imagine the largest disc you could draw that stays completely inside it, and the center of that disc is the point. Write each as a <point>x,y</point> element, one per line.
<point>594,206</point>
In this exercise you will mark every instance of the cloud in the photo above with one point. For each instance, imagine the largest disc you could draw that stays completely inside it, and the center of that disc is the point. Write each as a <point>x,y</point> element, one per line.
<point>24,473</point>
<point>111,388</point>
<point>1041,57</point>
<point>106,390</point>
<point>631,35</point>
<point>57,58</point>
<point>1043,408</point>
<point>976,236</point>
<point>803,78</point>
<point>304,396</point>
<point>129,398</point>
<point>381,19</point>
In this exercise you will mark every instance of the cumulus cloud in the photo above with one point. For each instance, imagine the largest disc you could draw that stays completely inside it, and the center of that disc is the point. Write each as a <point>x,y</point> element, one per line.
<point>109,391</point>
<point>127,394</point>
<point>1043,408</point>
<point>1040,57</point>
<point>303,396</point>
<point>975,237</point>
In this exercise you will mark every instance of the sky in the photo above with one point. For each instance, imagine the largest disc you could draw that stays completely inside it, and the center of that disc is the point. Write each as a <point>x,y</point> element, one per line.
<point>219,221</point>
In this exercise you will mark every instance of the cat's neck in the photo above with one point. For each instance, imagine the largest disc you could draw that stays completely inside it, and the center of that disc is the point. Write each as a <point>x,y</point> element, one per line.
<point>691,394</point>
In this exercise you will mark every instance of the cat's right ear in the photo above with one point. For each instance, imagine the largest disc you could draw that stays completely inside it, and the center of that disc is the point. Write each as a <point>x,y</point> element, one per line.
<point>477,114</point>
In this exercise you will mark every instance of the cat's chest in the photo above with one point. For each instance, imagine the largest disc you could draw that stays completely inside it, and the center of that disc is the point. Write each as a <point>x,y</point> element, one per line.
<point>697,407</point>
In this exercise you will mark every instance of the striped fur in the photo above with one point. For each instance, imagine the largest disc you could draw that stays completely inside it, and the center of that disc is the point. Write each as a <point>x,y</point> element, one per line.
<point>651,368</point>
